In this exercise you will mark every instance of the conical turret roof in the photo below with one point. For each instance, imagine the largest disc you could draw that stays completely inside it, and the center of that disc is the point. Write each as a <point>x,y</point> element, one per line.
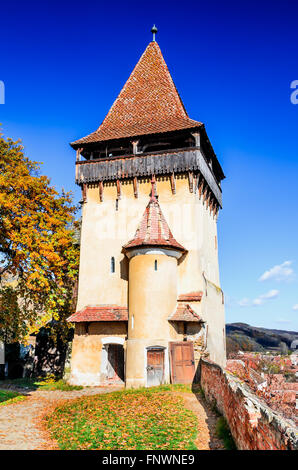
<point>148,103</point>
<point>153,229</point>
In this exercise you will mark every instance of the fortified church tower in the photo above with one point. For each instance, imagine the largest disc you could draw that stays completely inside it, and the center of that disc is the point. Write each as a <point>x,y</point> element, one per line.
<point>149,297</point>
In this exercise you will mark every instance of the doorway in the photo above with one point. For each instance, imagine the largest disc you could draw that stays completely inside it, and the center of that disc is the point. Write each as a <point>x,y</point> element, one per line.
<point>182,362</point>
<point>115,363</point>
<point>155,366</point>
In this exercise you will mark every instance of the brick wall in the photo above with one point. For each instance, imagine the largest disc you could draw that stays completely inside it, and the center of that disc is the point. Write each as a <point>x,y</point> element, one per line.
<point>253,424</point>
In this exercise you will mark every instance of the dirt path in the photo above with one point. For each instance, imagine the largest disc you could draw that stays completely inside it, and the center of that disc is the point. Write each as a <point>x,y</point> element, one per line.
<point>207,419</point>
<point>19,422</point>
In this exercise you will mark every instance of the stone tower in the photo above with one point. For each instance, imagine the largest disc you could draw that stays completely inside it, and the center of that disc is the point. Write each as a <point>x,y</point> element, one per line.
<point>147,309</point>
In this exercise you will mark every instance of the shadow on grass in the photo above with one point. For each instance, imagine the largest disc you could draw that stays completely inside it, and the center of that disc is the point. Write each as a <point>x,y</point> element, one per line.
<point>8,396</point>
<point>37,383</point>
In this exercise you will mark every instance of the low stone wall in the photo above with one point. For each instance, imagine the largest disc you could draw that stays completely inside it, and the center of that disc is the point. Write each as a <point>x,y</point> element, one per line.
<point>254,426</point>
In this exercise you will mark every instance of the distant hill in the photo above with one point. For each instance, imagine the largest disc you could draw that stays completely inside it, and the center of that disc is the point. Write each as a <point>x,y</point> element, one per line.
<point>241,336</point>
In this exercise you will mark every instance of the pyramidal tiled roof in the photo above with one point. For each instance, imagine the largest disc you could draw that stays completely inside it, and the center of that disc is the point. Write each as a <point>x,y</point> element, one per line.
<point>148,103</point>
<point>185,313</point>
<point>153,229</point>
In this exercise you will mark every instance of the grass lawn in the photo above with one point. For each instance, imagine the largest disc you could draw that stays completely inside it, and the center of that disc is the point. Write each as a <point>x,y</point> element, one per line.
<point>150,418</point>
<point>224,433</point>
<point>41,383</point>
<point>7,397</point>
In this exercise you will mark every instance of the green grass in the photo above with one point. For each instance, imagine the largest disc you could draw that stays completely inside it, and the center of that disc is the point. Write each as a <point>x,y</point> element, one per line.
<point>139,419</point>
<point>224,433</point>
<point>188,388</point>
<point>41,383</point>
<point>7,397</point>
<point>57,385</point>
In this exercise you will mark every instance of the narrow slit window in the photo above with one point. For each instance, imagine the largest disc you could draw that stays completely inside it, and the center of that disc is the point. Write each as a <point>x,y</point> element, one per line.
<point>155,265</point>
<point>112,264</point>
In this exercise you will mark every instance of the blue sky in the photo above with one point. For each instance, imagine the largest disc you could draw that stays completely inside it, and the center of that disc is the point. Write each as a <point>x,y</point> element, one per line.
<point>63,64</point>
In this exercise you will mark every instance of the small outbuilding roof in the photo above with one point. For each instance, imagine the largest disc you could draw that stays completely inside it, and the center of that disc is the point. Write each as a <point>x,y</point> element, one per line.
<point>191,297</point>
<point>184,312</point>
<point>92,313</point>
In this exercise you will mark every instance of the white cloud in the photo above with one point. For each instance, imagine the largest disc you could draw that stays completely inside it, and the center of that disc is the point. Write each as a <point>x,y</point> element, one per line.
<point>272,294</point>
<point>295,307</point>
<point>245,302</point>
<point>260,300</point>
<point>280,272</point>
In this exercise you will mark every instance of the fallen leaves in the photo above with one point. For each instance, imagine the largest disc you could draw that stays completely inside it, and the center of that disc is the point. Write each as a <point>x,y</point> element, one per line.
<point>138,419</point>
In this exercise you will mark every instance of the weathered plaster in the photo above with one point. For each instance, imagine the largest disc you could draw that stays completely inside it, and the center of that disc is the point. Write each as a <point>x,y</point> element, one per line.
<point>105,230</point>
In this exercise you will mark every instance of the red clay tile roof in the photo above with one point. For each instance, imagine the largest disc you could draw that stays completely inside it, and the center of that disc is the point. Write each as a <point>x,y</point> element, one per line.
<point>191,297</point>
<point>153,229</point>
<point>185,313</point>
<point>148,103</point>
<point>100,313</point>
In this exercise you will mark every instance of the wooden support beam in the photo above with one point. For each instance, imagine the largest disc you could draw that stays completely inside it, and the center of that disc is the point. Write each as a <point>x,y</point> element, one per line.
<point>201,186</point>
<point>173,183</point>
<point>84,192</point>
<point>135,146</point>
<point>135,187</point>
<point>196,135</point>
<point>205,192</point>
<point>190,181</point>
<point>118,189</point>
<point>78,154</point>
<point>196,182</point>
<point>100,189</point>
<point>214,209</point>
<point>208,200</point>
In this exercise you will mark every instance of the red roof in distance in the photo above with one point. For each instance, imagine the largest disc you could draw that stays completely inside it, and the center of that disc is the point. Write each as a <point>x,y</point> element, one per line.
<point>148,103</point>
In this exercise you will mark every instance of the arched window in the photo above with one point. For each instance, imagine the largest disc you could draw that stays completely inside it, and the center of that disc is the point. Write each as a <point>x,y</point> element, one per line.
<point>112,264</point>
<point>155,265</point>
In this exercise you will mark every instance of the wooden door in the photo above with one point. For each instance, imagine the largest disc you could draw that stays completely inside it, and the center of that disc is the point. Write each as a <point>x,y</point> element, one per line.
<point>155,366</point>
<point>115,369</point>
<point>182,362</point>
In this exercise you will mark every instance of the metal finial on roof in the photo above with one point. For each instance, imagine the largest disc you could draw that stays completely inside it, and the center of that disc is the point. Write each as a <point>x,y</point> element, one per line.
<point>154,31</point>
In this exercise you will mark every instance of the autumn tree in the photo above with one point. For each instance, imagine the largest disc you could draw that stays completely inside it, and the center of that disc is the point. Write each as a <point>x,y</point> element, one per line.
<point>37,246</point>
